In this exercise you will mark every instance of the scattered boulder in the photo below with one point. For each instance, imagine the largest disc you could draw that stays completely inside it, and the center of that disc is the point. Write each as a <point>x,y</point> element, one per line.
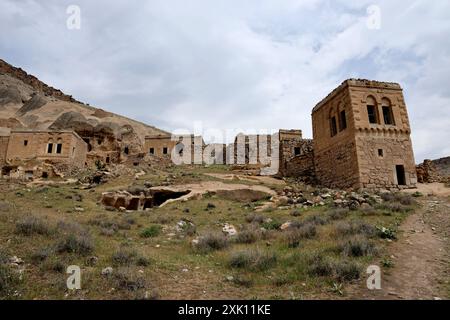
<point>107,271</point>
<point>229,230</point>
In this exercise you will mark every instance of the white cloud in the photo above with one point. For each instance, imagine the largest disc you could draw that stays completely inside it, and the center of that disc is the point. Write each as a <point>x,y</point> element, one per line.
<point>236,64</point>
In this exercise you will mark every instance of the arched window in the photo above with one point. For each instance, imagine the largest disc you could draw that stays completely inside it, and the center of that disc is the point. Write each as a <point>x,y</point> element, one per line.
<point>333,122</point>
<point>372,111</point>
<point>342,118</point>
<point>50,146</point>
<point>388,115</point>
<point>59,146</point>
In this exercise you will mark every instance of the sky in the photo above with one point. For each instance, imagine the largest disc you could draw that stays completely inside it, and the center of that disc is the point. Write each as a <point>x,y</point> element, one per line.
<point>236,65</point>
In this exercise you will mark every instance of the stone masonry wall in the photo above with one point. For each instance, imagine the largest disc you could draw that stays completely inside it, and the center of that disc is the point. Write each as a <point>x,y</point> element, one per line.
<point>378,156</point>
<point>301,165</point>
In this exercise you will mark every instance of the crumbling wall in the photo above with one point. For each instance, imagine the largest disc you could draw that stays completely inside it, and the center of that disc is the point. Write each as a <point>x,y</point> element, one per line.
<point>3,149</point>
<point>428,173</point>
<point>297,159</point>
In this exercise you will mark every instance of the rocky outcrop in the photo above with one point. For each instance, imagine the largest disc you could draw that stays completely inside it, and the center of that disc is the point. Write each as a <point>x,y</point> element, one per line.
<point>10,95</point>
<point>427,172</point>
<point>18,73</point>
<point>34,103</point>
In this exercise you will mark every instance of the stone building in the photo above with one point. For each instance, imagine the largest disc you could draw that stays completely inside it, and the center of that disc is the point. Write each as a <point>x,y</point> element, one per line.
<point>361,137</point>
<point>29,153</point>
<point>296,155</point>
<point>163,145</point>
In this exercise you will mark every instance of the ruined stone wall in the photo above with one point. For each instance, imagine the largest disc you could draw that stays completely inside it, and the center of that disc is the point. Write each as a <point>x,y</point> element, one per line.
<point>3,149</point>
<point>297,164</point>
<point>428,173</point>
<point>79,152</point>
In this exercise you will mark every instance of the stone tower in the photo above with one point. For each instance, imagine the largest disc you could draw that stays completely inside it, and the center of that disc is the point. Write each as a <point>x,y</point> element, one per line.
<point>362,137</point>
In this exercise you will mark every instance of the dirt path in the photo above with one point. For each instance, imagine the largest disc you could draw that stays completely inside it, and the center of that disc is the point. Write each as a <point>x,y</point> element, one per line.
<point>420,256</point>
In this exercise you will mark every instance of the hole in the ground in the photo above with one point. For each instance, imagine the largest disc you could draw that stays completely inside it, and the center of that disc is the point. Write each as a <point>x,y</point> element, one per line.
<point>161,196</point>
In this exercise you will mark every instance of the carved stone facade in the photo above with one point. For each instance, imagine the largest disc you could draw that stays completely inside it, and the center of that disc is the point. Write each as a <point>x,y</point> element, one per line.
<point>362,137</point>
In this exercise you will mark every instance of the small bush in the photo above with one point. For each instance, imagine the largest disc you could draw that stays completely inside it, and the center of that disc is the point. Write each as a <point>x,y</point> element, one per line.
<point>123,257</point>
<point>76,243</point>
<point>106,223</point>
<point>152,231</point>
<point>402,198</point>
<point>338,213</point>
<point>272,225</point>
<point>32,225</point>
<point>243,281</point>
<point>293,239</point>
<point>352,228</point>
<point>323,266</point>
<point>254,218</point>
<point>41,254</point>
<point>295,213</point>
<point>368,211</point>
<point>316,220</point>
<point>142,262</point>
<point>126,279</point>
<point>211,242</point>
<point>386,233</point>
<point>8,280</point>
<point>358,247</point>
<point>107,232</point>
<point>254,260</point>
<point>346,270</point>
<point>247,236</point>
<point>163,219</point>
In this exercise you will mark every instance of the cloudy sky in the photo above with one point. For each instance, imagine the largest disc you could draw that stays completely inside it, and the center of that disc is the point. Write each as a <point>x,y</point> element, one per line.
<point>246,65</point>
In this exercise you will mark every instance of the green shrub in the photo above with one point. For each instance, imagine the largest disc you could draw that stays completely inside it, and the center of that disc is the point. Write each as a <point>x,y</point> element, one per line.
<point>247,236</point>
<point>272,225</point>
<point>41,254</point>
<point>316,220</point>
<point>386,233</point>
<point>151,232</point>
<point>253,260</point>
<point>123,257</point>
<point>254,218</point>
<point>338,213</point>
<point>126,279</point>
<point>358,247</point>
<point>353,228</point>
<point>342,270</point>
<point>76,243</point>
<point>211,242</point>
<point>32,225</point>
<point>8,280</point>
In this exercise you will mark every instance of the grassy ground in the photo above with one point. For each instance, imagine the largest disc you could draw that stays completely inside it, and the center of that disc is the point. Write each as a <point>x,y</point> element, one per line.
<point>324,250</point>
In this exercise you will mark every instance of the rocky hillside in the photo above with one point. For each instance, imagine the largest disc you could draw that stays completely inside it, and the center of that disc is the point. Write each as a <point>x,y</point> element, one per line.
<point>443,166</point>
<point>27,102</point>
